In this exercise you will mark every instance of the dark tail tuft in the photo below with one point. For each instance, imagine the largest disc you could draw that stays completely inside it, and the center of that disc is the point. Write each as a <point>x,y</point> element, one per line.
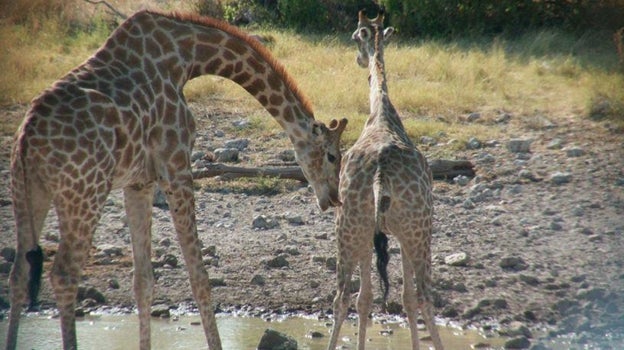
<point>381,250</point>
<point>35,260</point>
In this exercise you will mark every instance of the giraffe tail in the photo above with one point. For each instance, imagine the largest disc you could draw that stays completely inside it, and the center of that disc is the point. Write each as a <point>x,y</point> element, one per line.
<point>380,239</point>
<point>35,260</point>
<point>34,257</point>
<point>381,251</point>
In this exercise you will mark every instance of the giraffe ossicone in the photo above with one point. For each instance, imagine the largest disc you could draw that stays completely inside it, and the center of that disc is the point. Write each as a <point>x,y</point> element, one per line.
<point>120,120</point>
<point>385,188</point>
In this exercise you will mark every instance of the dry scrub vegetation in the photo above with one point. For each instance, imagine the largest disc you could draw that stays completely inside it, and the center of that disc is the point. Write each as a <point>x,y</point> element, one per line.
<point>432,83</point>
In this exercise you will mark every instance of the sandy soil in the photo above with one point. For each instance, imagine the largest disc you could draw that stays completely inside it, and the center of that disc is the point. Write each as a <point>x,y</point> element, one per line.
<point>532,246</point>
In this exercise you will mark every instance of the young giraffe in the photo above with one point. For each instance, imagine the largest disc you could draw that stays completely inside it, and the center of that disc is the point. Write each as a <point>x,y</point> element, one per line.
<point>120,120</point>
<point>385,186</point>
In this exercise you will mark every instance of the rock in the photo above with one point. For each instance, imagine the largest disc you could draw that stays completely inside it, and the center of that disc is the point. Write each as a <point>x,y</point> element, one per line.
<point>513,263</point>
<point>226,155</point>
<point>165,242</point>
<point>169,259</point>
<point>386,332</point>
<point>113,283</point>
<point>79,312</point>
<point>519,145</point>
<point>315,335</point>
<point>217,282</point>
<point>468,204</point>
<point>5,267</point>
<point>90,293</point>
<point>457,259</point>
<point>258,280</point>
<point>450,312</point>
<point>160,310</point>
<point>474,116</point>
<point>287,156</point>
<point>503,118</point>
<point>530,280</point>
<point>521,342</point>
<point>197,155</point>
<point>262,222</point>
<point>574,151</point>
<point>274,340</point>
<point>500,304</point>
<point>594,294</point>
<point>239,144</point>
<point>473,143</point>
<point>8,253</point>
<point>485,158</point>
<point>110,250</point>
<point>427,140</point>
<point>564,305</point>
<point>160,200</point>
<point>555,144</point>
<point>560,178</point>
<point>330,263</point>
<point>277,262</point>
<point>516,329</point>
<point>294,219</point>
<point>461,180</point>
<point>210,250</point>
<point>88,303</point>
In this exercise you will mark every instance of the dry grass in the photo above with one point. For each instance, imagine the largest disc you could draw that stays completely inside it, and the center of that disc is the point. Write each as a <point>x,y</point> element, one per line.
<point>432,84</point>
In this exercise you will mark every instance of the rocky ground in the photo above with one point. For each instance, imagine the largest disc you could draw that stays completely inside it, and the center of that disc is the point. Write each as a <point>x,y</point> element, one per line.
<point>532,247</point>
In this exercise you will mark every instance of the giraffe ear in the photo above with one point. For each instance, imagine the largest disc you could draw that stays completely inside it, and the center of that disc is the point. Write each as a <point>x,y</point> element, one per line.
<point>364,33</point>
<point>338,126</point>
<point>388,33</point>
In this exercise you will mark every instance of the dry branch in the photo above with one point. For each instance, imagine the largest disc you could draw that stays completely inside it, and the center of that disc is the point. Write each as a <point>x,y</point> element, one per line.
<point>441,169</point>
<point>111,7</point>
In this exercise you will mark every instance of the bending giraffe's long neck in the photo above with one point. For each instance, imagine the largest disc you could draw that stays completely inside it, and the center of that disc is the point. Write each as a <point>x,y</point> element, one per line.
<point>171,49</point>
<point>219,49</point>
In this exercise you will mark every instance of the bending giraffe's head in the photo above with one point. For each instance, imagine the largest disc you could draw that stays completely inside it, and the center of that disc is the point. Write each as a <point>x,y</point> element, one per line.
<point>319,158</point>
<point>369,33</point>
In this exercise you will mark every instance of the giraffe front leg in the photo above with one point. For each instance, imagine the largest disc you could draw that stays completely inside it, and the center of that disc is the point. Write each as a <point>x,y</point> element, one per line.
<point>182,206</point>
<point>341,300</point>
<point>138,205</point>
<point>364,300</point>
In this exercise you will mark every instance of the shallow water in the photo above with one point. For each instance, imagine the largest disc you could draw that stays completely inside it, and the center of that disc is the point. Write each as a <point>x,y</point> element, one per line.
<point>113,332</point>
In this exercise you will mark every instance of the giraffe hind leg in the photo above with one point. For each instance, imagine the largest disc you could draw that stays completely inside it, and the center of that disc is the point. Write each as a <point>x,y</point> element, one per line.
<point>138,205</point>
<point>364,300</point>
<point>25,281</point>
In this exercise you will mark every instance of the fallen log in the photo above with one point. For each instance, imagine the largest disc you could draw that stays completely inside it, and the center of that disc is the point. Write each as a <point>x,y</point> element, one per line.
<point>442,169</point>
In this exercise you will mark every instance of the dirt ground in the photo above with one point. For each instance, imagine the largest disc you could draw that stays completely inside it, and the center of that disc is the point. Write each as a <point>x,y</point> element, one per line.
<point>531,247</point>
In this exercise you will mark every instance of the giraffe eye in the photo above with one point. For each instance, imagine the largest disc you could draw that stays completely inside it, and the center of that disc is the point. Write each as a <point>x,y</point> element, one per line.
<point>331,158</point>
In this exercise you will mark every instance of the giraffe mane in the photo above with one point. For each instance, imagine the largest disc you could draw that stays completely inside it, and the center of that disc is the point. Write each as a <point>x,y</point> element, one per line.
<point>252,42</point>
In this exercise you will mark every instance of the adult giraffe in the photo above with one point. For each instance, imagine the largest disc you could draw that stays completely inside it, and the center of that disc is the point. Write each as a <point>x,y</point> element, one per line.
<point>120,120</point>
<point>385,187</point>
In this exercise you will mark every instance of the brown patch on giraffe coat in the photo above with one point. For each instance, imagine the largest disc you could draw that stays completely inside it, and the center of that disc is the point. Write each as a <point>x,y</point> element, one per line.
<point>236,46</point>
<point>203,51</point>
<point>256,65</point>
<point>288,114</point>
<point>277,100</point>
<point>242,78</point>
<point>225,70</point>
